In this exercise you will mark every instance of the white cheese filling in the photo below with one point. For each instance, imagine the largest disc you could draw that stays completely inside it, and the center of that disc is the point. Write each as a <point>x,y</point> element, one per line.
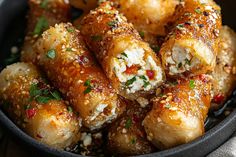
<point>180,60</point>
<point>139,80</point>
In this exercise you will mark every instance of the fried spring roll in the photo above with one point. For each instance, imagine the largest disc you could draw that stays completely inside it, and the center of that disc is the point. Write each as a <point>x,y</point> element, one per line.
<point>191,46</point>
<point>225,71</point>
<point>148,16</point>
<point>178,116</point>
<point>73,70</point>
<point>127,60</point>
<point>36,108</point>
<point>41,15</point>
<point>127,136</point>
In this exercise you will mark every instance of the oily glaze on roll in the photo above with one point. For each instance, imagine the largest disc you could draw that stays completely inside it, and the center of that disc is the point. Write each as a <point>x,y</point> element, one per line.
<point>36,107</point>
<point>126,136</point>
<point>73,70</point>
<point>224,73</point>
<point>127,60</point>
<point>178,116</point>
<point>41,15</point>
<point>191,46</point>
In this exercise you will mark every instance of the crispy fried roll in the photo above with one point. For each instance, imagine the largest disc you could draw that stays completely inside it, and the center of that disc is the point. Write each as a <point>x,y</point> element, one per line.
<point>191,46</point>
<point>148,16</point>
<point>225,71</point>
<point>178,116</point>
<point>41,15</point>
<point>127,136</point>
<point>36,107</point>
<point>73,70</point>
<point>128,62</point>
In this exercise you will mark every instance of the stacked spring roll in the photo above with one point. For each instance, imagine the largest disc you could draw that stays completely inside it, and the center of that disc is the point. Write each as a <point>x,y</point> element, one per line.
<point>225,70</point>
<point>127,60</point>
<point>178,115</point>
<point>41,15</point>
<point>36,107</point>
<point>191,46</point>
<point>73,70</point>
<point>127,135</point>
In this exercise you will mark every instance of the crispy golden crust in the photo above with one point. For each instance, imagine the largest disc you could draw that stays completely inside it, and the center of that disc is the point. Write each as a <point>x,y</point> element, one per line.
<point>178,116</point>
<point>41,15</point>
<point>196,32</point>
<point>224,73</point>
<point>127,136</point>
<point>108,34</point>
<point>48,122</point>
<point>75,73</point>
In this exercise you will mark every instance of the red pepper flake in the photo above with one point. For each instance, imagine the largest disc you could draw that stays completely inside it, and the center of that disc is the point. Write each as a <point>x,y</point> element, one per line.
<point>203,78</point>
<point>150,74</point>
<point>39,136</point>
<point>135,118</point>
<point>30,113</point>
<point>132,70</point>
<point>219,98</point>
<point>82,60</point>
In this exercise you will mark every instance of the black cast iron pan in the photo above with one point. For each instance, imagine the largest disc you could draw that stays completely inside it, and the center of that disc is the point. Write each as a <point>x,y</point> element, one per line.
<point>12,25</point>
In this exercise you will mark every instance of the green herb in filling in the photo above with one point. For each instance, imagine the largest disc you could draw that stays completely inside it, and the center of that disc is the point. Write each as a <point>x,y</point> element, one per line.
<point>124,54</point>
<point>131,81</point>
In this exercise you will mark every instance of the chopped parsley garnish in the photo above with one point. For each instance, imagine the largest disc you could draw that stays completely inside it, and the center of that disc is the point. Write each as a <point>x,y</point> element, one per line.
<point>180,26</point>
<point>42,95</point>
<point>192,84</point>
<point>71,30</point>
<point>128,123</point>
<point>141,33</point>
<point>124,54</point>
<point>56,95</point>
<point>44,4</point>
<point>88,85</point>
<point>131,81</point>
<point>51,54</point>
<point>42,24</point>
<point>96,38</point>
<point>26,107</point>
<point>112,24</point>
<point>167,106</point>
<point>133,141</point>
<point>198,11</point>
<point>70,109</point>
